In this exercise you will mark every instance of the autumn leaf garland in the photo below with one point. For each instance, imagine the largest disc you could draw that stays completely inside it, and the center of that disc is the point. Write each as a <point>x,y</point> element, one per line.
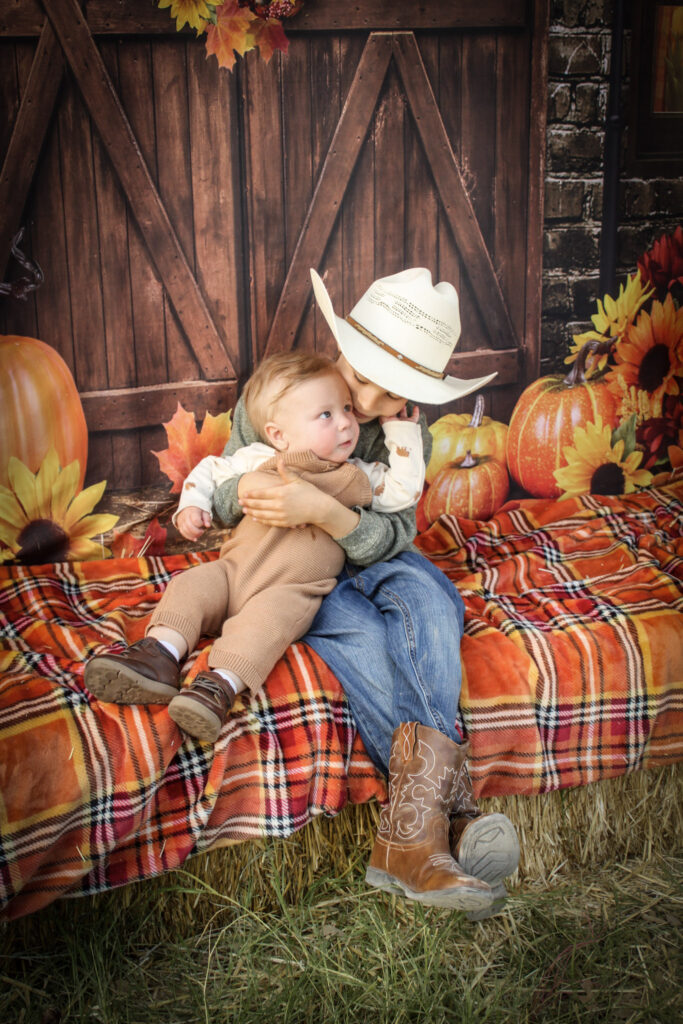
<point>236,26</point>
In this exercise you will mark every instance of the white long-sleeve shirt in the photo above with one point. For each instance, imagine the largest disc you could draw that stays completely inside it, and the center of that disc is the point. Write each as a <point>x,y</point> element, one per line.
<point>394,487</point>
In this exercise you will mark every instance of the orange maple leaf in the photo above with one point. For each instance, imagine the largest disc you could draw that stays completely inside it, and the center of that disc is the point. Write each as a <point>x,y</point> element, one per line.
<point>125,545</point>
<point>270,36</point>
<point>186,447</point>
<point>232,33</point>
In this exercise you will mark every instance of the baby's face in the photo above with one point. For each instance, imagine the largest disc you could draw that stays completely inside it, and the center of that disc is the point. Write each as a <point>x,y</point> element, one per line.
<point>318,415</point>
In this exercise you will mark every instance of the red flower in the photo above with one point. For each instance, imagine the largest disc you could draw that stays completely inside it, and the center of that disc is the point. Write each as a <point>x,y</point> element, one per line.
<point>662,265</point>
<point>656,435</point>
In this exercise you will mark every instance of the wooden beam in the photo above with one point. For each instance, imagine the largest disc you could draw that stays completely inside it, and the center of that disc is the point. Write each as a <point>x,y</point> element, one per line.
<point>456,202</point>
<point>143,17</point>
<point>133,408</point>
<point>28,134</point>
<point>468,365</point>
<point>118,139</point>
<point>329,190</point>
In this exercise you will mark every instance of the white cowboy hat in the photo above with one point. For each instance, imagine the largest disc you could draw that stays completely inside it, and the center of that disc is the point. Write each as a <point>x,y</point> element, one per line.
<point>401,334</point>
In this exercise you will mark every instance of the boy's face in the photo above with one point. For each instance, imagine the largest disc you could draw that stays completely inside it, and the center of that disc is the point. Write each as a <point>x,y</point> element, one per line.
<point>316,415</point>
<point>369,400</point>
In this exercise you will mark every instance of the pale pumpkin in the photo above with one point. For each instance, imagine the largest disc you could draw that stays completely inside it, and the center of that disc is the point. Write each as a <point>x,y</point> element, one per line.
<point>458,433</point>
<point>545,417</point>
<point>473,487</point>
<point>40,407</point>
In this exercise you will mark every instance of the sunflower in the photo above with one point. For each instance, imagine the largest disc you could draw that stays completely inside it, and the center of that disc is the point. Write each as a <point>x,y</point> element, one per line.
<point>43,519</point>
<point>595,466</point>
<point>650,356</point>
<point>194,13</point>
<point>612,318</point>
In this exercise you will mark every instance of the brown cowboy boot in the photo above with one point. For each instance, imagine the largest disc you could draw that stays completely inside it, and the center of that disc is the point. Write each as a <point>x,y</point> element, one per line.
<point>411,853</point>
<point>485,845</point>
<point>202,707</point>
<point>144,673</point>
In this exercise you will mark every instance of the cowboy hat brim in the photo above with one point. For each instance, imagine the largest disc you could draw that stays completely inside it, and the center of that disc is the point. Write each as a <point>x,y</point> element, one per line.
<point>387,370</point>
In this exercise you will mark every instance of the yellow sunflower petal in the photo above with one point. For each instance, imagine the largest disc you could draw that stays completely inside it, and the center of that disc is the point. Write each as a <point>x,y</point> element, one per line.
<point>45,481</point>
<point>64,491</point>
<point>81,549</point>
<point>23,484</point>
<point>83,503</point>
<point>11,512</point>
<point>91,526</point>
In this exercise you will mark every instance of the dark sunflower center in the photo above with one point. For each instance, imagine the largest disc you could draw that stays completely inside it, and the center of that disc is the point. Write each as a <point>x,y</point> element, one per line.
<point>608,479</point>
<point>654,368</point>
<point>42,541</point>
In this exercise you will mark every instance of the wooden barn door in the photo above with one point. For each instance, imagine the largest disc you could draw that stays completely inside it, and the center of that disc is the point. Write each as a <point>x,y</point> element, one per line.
<point>176,209</point>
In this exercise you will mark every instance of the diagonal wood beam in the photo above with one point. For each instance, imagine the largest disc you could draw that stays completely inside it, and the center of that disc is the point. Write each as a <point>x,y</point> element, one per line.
<point>118,139</point>
<point>28,134</point>
<point>452,190</point>
<point>329,190</point>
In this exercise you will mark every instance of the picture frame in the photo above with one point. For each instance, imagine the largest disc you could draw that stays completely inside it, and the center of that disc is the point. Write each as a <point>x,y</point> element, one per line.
<point>656,117</point>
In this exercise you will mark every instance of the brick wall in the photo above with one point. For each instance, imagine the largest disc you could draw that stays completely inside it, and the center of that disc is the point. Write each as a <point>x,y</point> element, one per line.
<point>578,87</point>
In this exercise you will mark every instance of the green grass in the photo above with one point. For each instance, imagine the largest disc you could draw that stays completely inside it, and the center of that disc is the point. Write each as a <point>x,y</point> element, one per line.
<point>602,947</point>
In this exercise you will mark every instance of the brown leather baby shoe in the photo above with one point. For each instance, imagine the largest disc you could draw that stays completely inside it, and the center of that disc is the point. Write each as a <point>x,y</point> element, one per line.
<point>202,708</point>
<point>145,673</point>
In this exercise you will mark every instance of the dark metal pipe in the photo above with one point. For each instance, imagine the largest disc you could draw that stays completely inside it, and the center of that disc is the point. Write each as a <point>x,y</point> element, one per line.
<point>612,155</point>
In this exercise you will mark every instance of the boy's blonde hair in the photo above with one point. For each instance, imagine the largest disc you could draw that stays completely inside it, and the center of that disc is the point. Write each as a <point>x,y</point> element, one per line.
<point>275,377</point>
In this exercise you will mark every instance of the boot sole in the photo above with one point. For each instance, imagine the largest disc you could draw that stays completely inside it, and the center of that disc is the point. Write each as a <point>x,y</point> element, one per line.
<point>111,682</point>
<point>489,850</point>
<point>462,898</point>
<point>197,722</point>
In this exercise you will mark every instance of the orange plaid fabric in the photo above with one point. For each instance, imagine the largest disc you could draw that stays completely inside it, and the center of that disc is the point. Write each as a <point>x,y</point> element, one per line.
<point>572,671</point>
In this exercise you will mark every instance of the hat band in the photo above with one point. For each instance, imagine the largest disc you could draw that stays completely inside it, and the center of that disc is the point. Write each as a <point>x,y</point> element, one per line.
<point>392,351</point>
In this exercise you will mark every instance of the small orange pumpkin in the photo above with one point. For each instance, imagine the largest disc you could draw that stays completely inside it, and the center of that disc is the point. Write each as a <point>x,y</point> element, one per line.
<point>40,407</point>
<point>456,434</point>
<point>473,487</point>
<point>545,417</point>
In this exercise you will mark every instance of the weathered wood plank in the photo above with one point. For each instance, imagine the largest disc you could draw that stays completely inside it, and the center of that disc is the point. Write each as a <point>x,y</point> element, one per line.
<point>218,226</point>
<point>134,408</point>
<point>330,189</point>
<point>142,17</point>
<point>117,295</point>
<point>390,180</point>
<point>265,198</point>
<point>149,328</point>
<point>174,181</point>
<point>107,113</point>
<point>450,105</point>
<point>422,208</point>
<point>453,193</point>
<point>21,158</point>
<point>297,137</point>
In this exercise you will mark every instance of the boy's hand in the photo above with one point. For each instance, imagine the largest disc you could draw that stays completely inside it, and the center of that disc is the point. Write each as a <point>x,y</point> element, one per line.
<point>192,522</point>
<point>287,502</point>
<point>403,415</point>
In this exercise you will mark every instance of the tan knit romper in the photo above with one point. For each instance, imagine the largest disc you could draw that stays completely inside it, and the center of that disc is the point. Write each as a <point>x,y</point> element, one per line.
<point>265,588</point>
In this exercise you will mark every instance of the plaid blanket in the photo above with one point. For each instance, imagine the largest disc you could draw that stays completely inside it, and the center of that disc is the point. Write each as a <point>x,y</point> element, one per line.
<point>572,671</point>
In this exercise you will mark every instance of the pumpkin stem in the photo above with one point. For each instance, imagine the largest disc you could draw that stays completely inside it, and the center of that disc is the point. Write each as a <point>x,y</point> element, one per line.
<point>577,374</point>
<point>469,462</point>
<point>20,288</point>
<point>478,412</point>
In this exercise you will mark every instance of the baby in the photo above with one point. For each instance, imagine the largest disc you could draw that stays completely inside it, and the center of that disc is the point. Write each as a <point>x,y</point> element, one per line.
<point>265,588</point>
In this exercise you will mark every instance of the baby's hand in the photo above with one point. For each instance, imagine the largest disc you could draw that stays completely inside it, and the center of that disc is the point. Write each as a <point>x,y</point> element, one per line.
<point>192,522</point>
<point>403,415</point>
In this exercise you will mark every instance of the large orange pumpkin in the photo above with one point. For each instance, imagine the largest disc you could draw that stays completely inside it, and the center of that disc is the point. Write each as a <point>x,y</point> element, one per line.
<point>544,419</point>
<point>473,487</point>
<point>456,434</point>
<point>39,407</point>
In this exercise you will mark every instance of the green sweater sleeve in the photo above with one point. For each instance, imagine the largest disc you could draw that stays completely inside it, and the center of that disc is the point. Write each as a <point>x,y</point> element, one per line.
<point>225,504</point>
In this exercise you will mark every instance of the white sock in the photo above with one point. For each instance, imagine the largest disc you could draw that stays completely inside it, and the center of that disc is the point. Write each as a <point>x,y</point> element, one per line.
<point>170,648</point>
<point>235,682</point>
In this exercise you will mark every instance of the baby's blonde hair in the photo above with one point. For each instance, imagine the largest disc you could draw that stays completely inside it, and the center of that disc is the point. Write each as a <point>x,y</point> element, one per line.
<point>275,377</point>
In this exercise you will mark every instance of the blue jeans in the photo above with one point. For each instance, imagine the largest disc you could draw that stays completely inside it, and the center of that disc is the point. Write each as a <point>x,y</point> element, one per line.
<point>391,635</point>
